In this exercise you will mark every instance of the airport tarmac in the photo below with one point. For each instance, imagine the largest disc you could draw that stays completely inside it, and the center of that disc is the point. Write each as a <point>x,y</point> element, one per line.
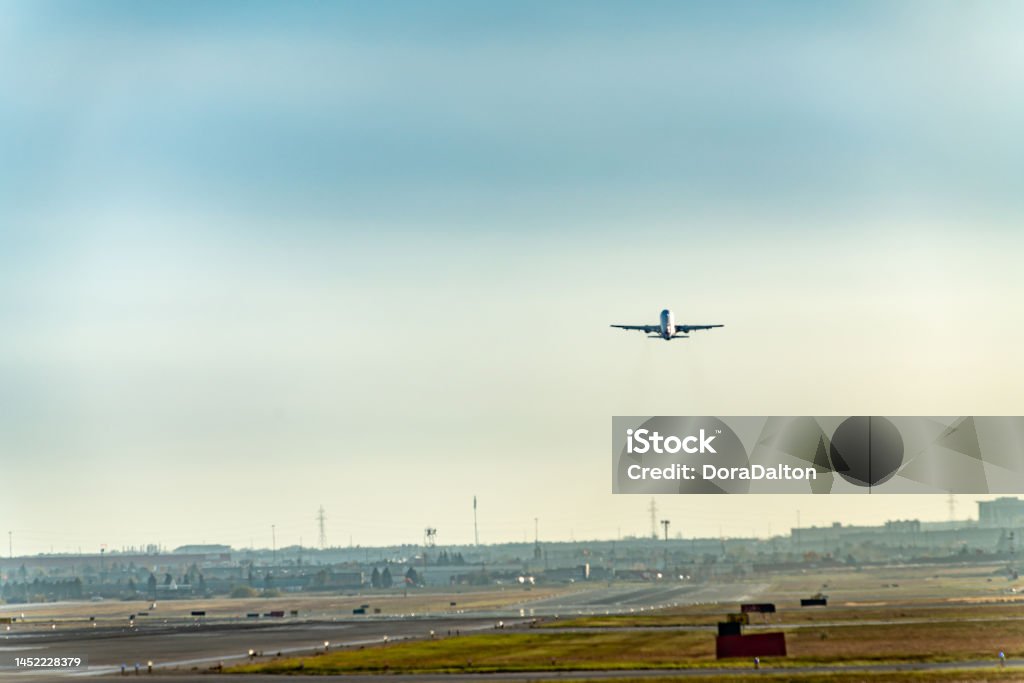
<point>199,645</point>
<point>204,646</point>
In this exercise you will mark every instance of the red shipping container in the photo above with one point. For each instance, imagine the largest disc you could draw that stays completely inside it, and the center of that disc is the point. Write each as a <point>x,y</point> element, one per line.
<point>753,645</point>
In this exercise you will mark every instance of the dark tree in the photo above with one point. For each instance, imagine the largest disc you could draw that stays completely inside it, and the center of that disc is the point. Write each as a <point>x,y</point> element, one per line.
<point>412,577</point>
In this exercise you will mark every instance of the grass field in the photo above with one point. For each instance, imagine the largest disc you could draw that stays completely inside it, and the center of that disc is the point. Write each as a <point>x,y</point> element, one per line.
<point>641,649</point>
<point>510,652</point>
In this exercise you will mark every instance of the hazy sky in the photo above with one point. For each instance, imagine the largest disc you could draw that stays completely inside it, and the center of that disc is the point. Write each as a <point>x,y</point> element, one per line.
<point>259,257</point>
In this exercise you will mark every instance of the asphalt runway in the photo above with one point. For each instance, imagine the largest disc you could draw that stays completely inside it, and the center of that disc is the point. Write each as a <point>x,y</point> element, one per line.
<point>186,646</point>
<point>204,646</point>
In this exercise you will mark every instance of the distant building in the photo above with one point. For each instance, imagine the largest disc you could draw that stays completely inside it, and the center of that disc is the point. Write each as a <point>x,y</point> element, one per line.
<point>903,526</point>
<point>1001,512</point>
<point>202,549</point>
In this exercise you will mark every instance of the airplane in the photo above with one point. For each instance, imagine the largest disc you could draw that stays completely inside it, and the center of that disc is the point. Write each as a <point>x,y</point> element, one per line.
<point>667,329</point>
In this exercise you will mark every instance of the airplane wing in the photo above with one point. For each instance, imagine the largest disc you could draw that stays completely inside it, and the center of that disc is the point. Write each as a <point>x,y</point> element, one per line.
<point>643,328</point>
<point>689,328</point>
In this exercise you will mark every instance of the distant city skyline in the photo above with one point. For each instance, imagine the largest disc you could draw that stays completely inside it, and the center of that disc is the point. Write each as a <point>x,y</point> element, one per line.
<point>965,507</point>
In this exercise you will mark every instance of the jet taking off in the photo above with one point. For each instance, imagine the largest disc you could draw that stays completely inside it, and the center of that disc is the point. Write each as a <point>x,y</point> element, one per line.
<point>667,329</point>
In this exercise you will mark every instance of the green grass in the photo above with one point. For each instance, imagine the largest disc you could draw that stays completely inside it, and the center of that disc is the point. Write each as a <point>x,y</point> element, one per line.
<point>509,652</point>
<point>619,650</point>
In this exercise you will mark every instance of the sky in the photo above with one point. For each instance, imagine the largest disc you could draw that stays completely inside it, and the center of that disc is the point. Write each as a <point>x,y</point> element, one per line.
<point>261,257</point>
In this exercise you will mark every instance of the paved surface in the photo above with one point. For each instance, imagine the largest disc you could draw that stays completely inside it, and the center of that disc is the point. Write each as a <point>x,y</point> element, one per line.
<point>184,646</point>
<point>205,646</point>
<point>631,598</point>
<point>185,652</point>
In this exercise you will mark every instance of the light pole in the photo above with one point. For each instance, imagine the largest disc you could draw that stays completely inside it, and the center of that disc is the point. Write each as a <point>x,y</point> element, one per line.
<point>665,523</point>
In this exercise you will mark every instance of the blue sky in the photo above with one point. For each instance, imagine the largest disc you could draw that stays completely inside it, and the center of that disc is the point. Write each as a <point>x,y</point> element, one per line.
<point>321,250</point>
<point>341,109</point>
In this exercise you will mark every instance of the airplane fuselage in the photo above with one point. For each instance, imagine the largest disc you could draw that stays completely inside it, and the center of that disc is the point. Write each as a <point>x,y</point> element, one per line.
<point>668,324</point>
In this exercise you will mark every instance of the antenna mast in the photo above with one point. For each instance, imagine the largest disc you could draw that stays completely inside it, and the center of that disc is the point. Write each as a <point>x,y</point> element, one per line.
<point>654,519</point>
<point>321,519</point>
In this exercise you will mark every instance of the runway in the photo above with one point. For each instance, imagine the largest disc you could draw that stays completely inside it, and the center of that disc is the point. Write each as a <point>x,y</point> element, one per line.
<point>205,646</point>
<point>200,645</point>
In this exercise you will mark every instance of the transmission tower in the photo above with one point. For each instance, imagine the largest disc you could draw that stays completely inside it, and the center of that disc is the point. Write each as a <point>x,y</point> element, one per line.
<point>429,537</point>
<point>654,519</point>
<point>536,539</point>
<point>321,520</point>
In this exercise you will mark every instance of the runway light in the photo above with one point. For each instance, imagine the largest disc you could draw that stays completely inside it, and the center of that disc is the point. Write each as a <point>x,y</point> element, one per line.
<point>327,644</point>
